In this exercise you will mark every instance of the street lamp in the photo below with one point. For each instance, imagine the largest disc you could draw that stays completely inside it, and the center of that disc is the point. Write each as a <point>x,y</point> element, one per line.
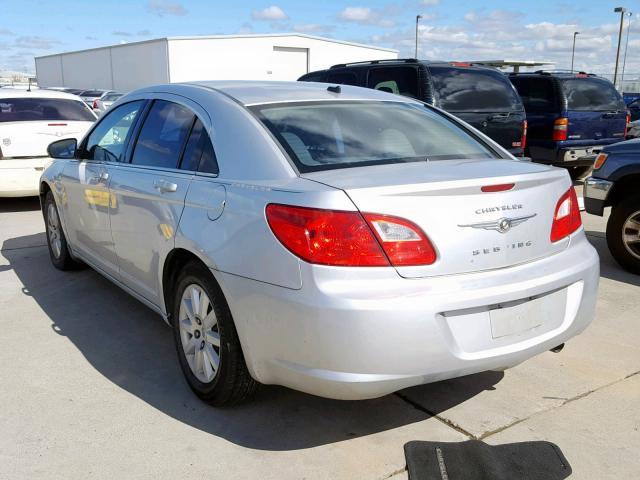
<point>418,17</point>
<point>573,51</point>
<point>621,11</point>
<point>624,59</point>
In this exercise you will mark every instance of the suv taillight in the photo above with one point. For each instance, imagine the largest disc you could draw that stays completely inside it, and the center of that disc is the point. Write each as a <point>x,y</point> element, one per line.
<point>560,127</point>
<point>349,239</point>
<point>626,125</point>
<point>523,140</point>
<point>566,218</point>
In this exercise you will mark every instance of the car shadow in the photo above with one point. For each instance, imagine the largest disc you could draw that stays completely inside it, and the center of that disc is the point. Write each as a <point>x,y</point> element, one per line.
<point>609,268</point>
<point>132,347</point>
<point>21,204</point>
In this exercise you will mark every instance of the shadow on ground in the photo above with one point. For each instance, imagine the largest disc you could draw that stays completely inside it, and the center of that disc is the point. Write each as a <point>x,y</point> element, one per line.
<point>132,347</point>
<point>609,268</point>
<point>24,204</point>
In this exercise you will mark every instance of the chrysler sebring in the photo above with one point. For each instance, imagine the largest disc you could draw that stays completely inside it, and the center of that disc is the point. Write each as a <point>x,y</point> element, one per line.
<point>341,241</point>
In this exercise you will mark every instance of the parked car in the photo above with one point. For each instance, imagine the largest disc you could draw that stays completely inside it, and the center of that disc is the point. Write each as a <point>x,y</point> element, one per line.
<point>615,183</point>
<point>102,104</point>
<point>88,96</point>
<point>328,235</point>
<point>482,97</point>
<point>29,120</point>
<point>634,109</point>
<point>569,116</point>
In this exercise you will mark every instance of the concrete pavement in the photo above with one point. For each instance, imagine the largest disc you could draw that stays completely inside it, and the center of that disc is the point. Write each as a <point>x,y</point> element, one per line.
<point>91,389</point>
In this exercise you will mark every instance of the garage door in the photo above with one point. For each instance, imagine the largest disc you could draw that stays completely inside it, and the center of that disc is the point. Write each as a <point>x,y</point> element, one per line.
<point>289,63</point>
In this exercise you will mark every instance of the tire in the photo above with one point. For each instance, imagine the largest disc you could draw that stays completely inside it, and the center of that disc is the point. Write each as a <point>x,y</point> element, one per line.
<point>56,239</point>
<point>204,336</point>
<point>622,228</point>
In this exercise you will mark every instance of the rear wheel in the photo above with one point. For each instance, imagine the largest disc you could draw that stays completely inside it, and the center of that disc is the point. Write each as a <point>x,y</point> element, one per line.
<point>206,340</point>
<point>56,240</point>
<point>623,234</point>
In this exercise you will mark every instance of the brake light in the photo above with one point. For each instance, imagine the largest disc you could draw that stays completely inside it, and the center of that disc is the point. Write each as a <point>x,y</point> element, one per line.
<point>403,241</point>
<point>339,238</point>
<point>497,188</point>
<point>600,159</point>
<point>460,64</point>
<point>523,140</point>
<point>626,125</point>
<point>566,219</point>
<point>560,127</point>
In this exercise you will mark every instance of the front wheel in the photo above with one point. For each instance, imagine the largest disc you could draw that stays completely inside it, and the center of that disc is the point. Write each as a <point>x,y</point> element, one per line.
<point>207,343</point>
<point>56,239</point>
<point>623,233</point>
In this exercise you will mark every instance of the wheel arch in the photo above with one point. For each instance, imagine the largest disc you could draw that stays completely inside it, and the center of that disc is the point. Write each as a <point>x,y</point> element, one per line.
<point>623,188</point>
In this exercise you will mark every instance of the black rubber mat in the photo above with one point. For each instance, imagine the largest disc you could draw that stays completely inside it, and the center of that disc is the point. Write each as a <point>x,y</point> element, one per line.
<point>475,460</point>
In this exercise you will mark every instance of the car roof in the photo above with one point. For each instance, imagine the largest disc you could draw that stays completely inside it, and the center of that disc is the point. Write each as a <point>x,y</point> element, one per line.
<point>260,92</point>
<point>555,74</point>
<point>35,93</point>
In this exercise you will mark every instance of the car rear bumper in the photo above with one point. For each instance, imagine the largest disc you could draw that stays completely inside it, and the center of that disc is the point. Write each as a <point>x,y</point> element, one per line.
<point>596,192</point>
<point>21,177</point>
<point>569,153</point>
<point>347,337</point>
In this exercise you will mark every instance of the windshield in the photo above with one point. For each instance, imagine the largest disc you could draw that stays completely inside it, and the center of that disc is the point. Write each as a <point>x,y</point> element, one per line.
<point>43,109</point>
<point>469,90</point>
<point>329,135</point>
<point>593,94</point>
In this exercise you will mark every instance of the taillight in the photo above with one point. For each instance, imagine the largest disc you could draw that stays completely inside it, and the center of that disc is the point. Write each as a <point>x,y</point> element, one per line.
<point>560,127</point>
<point>566,219</point>
<point>626,125</point>
<point>403,241</point>
<point>600,159</point>
<point>523,140</point>
<point>95,104</point>
<point>339,238</point>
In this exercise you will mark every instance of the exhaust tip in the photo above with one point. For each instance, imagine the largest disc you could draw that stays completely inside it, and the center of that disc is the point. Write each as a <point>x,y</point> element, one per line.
<point>557,349</point>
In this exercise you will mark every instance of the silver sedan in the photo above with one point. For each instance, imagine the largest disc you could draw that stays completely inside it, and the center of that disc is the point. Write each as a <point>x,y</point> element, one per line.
<point>336,240</point>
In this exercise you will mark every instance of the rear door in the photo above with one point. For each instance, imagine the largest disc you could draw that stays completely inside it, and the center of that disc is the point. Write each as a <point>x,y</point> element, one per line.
<point>483,98</point>
<point>595,109</point>
<point>149,193</point>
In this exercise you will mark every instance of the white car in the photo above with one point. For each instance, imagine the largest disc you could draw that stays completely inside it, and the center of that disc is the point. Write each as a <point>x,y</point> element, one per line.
<point>102,104</point>
<point>29,122</point>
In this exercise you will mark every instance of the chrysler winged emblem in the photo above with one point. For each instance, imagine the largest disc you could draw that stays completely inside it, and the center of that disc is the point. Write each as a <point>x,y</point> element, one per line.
<point>502,225</point>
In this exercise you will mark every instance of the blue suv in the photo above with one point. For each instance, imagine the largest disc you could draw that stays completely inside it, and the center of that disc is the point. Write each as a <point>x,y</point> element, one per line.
<point>569,115</point>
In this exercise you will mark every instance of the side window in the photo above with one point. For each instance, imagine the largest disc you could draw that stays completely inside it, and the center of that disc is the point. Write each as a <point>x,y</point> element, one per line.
<point>537,94</point>
<point>344,78</point>
<point>198,154</point>
<point>107,142</point>
<point>398,80</point>
<point>163,135</point>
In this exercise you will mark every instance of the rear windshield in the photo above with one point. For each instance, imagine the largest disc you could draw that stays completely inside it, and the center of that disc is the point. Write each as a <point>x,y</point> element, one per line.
<point>91,93</point>
<point>41,109</point>
<point>112,97</point>
<point>592,94</point>
<point>329,135</point>
<point>464,90</point>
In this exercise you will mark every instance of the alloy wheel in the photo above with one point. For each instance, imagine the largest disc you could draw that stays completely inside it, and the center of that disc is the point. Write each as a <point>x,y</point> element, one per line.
<point>53,230</point>
<point>631,234</point>
<point>199,333</point>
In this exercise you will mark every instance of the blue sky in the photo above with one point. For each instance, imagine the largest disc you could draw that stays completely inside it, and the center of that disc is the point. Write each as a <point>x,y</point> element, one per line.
<point>450,30</point>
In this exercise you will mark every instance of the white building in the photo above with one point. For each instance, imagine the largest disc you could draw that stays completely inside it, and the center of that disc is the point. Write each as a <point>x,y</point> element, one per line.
<point>180,59</point>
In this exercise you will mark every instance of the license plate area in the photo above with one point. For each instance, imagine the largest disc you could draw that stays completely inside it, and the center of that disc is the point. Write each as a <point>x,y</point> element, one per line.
<point>519,317</point>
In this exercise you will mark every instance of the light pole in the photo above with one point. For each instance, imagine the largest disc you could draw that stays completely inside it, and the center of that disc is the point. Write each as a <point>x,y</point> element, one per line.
<point>626,45</point>
<point>573,50</point>
<point>418,17</point>
<point>621,11</point>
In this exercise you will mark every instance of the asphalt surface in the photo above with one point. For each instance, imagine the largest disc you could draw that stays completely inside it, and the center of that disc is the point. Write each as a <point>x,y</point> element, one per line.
<point>91,388</point>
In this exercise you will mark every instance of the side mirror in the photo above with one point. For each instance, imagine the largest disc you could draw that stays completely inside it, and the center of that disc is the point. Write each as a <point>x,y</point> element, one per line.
<point>64,149</point>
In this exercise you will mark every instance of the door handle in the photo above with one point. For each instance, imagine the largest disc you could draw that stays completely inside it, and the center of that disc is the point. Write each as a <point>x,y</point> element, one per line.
<point>164,186</point>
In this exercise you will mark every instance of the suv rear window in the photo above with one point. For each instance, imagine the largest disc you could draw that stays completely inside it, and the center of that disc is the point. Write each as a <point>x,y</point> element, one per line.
<point>474,90</point>
<point>330,135</point>
<point>43,109</point>
<point>592,94</point>
<point>92,93</point>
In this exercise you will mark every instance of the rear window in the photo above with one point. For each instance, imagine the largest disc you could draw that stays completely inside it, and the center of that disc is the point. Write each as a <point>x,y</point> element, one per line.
<point>592,94</point>
<point>43,109</point>
<point>112,97</point>
<point>469,90</point>
<point>330,135</point>
<point>91,93</point>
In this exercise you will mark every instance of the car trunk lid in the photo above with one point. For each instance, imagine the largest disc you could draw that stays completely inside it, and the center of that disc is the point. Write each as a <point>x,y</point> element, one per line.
<point>472,230</point>
<point>30,139</point>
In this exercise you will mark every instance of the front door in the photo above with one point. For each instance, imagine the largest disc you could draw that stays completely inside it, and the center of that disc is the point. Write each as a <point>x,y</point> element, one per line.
<point>86,188</point>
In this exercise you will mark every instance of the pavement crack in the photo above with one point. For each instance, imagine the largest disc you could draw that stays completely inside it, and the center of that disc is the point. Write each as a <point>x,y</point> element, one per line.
<point>565,402</point>
<point>444,420</point>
